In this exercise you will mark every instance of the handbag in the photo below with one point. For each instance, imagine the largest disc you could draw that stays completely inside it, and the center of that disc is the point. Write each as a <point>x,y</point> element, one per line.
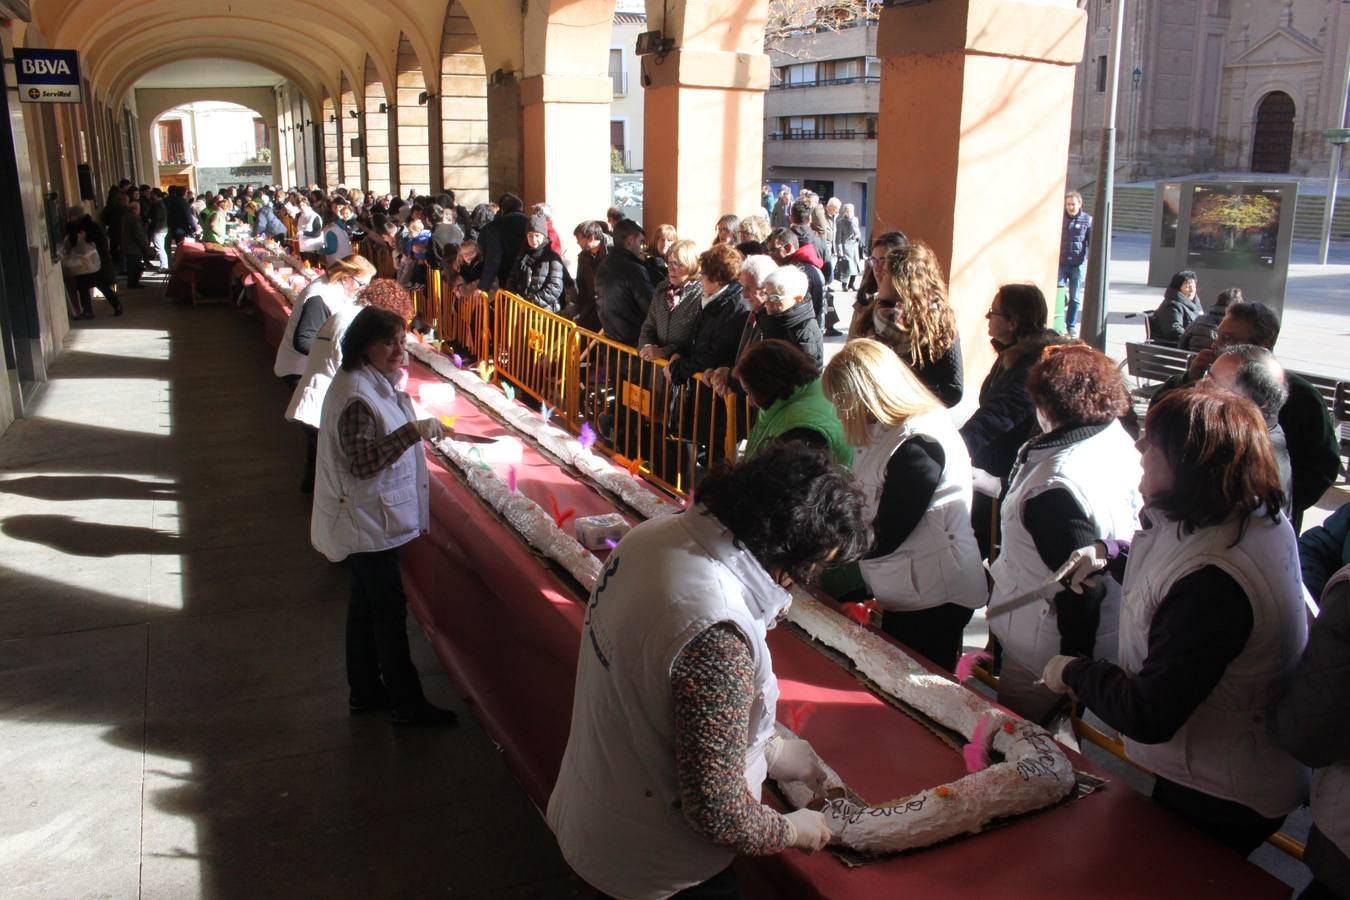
<point>81,259</point>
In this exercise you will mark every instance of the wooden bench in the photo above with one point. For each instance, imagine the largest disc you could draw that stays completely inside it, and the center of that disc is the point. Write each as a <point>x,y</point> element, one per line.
<point>1340,414</point>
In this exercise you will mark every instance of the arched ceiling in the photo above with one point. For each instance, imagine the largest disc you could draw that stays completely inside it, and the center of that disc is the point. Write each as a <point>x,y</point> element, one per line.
<point>311,42</point>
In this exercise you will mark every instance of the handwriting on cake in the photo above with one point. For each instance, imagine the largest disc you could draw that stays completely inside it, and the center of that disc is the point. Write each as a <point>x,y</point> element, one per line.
<point>852,813</point>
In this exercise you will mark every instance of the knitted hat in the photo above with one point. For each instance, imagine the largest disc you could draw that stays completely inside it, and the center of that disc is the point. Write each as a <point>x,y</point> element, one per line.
<point>539,223</point>
<point>387,294</point>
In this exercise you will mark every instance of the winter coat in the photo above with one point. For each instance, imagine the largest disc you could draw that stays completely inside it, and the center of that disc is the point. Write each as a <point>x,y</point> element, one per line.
<point>670,329</point>
<point>269,223</point>
<point>501,243</point>
<point>585,313</point>
<point>538,278</point>
<point>180,214</point>
<point>716,335</point>
<point>157,216</point>
<point>796,325</point>
<point>623,290</point>
<point>806,408</point>
<point>1075,240</point>
<point>1309,721</point>
<point>1006,416</point>
<point>135,243</point>
<point>1201,334</point>
<point>847,247</point>
<point>1169,320</point>
<point>811,246</point>
<point>1323,549</point>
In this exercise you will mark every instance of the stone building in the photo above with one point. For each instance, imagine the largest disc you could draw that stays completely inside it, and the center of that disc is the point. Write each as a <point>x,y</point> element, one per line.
<point>1213,85</point>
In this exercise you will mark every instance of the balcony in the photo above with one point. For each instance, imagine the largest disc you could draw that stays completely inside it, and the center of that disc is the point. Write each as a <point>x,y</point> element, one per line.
<point>174,154</point>
<point>850,149</point>
<point>861,94</point>
<point>824,82</point>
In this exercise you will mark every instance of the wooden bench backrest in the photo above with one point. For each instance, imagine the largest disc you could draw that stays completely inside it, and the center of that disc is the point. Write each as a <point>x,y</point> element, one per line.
<point>1155,362</point>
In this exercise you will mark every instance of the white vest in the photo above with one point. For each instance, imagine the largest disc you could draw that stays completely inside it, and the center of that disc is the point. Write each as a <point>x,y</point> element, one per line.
<point>362,515</point>
<point>344,242</point>
<point>321,367</point>
<point>1102,473</point>
<point>939,562</point>
<point>291,361</point>
<point>1225,748</point>
<point>303,223</point>
<point>616,806</point>
<point>1331,785</point>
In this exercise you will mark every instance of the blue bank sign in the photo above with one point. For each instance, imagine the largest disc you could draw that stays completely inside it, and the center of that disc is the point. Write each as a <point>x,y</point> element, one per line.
<point>47,76</point>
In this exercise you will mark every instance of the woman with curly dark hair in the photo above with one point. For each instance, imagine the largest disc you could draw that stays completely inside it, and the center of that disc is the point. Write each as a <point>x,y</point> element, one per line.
<point>1211,620</point>
<point>911,315</point>
<point>673,719</point>
<point>1075,483</point>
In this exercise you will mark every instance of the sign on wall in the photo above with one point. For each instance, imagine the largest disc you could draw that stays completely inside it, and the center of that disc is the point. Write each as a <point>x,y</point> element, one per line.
<point>47,76</point>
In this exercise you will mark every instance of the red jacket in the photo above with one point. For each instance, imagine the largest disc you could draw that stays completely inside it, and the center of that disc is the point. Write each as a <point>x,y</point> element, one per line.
<point>807,254</point>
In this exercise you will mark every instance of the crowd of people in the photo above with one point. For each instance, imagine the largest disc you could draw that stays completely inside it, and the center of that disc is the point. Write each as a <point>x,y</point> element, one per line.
<point>1147,570</point>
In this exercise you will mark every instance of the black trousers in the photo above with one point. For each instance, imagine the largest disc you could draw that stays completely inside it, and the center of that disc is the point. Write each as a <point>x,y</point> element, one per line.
<point>935,633</point>
<point>722,886</point>
<point>1231,824</point>
<point>379,662</point>
<point>134,266</point>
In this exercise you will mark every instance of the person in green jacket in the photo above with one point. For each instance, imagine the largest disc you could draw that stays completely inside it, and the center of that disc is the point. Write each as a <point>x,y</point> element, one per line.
<point>784,384</point>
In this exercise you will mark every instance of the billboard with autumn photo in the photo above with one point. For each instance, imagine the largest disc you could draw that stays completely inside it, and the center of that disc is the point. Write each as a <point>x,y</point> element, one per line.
<point>1233,227</point>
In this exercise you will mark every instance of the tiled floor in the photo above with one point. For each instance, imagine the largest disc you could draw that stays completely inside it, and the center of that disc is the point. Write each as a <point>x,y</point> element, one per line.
<point>173,716</point>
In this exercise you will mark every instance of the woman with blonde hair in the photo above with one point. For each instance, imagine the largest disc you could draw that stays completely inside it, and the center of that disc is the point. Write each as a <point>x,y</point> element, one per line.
<point>675,304</point>
<point>911,315</point>
<point>924,566</point>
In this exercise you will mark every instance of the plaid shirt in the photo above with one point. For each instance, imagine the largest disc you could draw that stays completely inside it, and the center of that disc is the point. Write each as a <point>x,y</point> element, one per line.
<point>369,451</point>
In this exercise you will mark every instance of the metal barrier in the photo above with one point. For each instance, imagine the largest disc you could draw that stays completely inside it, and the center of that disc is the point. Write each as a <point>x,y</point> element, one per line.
<point>666,432</point>
<point>462,322</point>
<point>1113,745</point>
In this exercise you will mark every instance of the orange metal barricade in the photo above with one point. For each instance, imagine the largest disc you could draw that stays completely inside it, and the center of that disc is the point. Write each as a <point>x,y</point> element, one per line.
<point>535,350</point>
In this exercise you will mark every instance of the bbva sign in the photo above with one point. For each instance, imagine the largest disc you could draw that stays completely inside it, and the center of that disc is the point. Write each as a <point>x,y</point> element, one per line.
<point>47,76</point>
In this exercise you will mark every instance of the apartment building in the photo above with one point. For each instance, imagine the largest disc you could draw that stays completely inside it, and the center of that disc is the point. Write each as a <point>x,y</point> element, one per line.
<point>820,113</point>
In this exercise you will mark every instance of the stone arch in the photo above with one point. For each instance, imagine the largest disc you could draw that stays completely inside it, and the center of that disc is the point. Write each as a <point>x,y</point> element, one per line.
<point>1273,132</point>
<point>376,149</point>
<point>413,139</point>
<point>463,111</point>
<point>260,102</point>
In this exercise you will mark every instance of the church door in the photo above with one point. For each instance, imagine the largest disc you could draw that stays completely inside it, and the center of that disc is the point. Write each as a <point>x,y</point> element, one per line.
<point>1273,139</point>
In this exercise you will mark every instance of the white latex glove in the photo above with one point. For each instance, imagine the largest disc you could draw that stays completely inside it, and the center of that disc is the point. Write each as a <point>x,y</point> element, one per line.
<point>989,485</point>
<point>807,830</point>
<point>1081,565</point>
<point>430,429</point>
<point>1053,675</point>
<point>792,759</point>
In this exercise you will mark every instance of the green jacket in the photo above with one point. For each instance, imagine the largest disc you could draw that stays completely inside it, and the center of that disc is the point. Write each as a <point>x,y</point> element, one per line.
<point>806,407</point>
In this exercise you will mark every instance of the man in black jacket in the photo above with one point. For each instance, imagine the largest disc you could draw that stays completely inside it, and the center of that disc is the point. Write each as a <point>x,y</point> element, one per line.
<point>591,240</point>
<point>446,236</point>
<point>502,241</point>
<point>1314,451</point>
<point>538,275</point>
<point>623,285</point>
<point>785,250</point>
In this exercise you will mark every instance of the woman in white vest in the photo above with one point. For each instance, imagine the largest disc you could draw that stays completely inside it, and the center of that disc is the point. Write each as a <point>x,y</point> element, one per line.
<point>326,295</point>
<point>1212,621</point>
<point>1310,722</point>
<point>673,716</point>
<point>370,498</point>
<point>924,569</point>
<point>1075,483</point>
<point>309,228</point>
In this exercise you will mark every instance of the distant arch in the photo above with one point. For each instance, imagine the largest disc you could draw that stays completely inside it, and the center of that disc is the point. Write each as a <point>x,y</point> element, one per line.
<point>1273,136</point>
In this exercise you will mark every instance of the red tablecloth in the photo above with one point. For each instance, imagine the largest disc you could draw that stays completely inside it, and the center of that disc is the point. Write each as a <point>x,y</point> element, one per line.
<point>507,628</point>
<point>212,271</point>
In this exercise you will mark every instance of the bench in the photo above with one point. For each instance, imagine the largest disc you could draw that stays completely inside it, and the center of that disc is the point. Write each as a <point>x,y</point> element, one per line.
<point>1340,414</point>
<point>1153,363</point>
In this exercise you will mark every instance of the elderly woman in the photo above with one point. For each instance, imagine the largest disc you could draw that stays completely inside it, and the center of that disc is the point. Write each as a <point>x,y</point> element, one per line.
<point>1006,416</point>
<point>786,314</point>
<point>1073,484</point>
<point>751,235</point>
<point>370,498</point>
<point>675,304</point>
<point>847,247</point>
<point>783,383</point>
<point>754,274</point>
<point>924,569</point>
<point>911,315</point>
<point>1211,621</point>
<point>673,719</point>
<point>1180,308</point>
<point>716,335</point>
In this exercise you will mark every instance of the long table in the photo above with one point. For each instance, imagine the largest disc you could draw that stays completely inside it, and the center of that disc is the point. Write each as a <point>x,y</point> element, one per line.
<point>507,627</point>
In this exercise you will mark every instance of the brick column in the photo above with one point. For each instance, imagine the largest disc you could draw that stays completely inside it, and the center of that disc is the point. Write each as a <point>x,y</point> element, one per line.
<point>703,147</point>
<point>973,141</point>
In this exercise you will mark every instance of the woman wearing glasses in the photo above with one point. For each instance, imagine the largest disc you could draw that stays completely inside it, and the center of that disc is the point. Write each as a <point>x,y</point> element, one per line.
<point>911,315</point>
<point>1006,416</point>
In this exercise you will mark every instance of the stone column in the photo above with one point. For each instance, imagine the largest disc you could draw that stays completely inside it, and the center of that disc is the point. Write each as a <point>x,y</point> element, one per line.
<point>973,140</point>
<point>565,146</point>
<point>703,147</point>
